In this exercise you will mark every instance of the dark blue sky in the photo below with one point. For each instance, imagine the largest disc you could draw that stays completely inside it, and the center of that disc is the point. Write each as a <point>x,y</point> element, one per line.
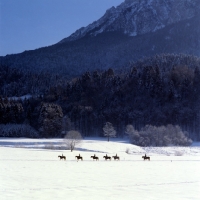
<point>30,24</point>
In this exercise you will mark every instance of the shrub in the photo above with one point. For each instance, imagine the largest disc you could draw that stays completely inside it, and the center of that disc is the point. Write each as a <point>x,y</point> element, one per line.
<point>158,136</point>
<point>127,150</point>
<point>178,153</point>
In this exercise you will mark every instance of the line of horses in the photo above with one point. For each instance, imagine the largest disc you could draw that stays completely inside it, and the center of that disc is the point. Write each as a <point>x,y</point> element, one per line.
<point>96,158</point>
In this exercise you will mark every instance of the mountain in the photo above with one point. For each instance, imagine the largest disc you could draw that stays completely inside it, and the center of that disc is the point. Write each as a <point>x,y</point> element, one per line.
<point>137,17</point>
<point>133,30</point>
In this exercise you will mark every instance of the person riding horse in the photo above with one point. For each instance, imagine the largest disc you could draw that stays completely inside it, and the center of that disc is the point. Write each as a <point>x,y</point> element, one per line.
<point>116,157</point>
<point>95,157</point>
<point>62,157</point>
<point>146,157</point>
<point>107,157</point>
<point>79,157</point>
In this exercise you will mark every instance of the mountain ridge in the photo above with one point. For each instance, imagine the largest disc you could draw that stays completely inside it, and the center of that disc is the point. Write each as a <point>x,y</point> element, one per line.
<point>139,17</point>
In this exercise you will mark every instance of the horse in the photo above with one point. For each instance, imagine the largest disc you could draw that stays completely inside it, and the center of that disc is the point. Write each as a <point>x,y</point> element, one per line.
<point>116,157</point>
<point>79,157</point>
<point>146,157</point>
<point>95,157</point>
<point>62,157</point>
<point>107,157</point>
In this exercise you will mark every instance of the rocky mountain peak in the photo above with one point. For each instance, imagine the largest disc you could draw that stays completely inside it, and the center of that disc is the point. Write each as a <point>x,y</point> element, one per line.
<point>137,17</point>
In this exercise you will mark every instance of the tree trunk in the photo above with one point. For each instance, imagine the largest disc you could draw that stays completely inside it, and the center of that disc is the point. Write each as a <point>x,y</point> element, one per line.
<point>72,148</point>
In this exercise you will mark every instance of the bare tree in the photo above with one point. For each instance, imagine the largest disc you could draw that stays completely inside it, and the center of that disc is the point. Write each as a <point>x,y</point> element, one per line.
<point>72,139</point>
<point>109,130</point>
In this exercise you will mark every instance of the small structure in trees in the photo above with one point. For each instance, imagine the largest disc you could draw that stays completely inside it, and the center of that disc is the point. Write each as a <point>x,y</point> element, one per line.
<point>72,139</point>
<point>109,130</point>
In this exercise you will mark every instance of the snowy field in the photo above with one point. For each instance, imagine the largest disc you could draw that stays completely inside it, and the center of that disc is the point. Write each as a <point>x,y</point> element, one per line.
<point>31,169</point>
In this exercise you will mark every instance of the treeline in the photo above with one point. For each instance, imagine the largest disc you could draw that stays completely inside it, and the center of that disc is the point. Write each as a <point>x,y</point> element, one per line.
<point>158,136</point>
<point>157,91</point>
<point>16,82</point>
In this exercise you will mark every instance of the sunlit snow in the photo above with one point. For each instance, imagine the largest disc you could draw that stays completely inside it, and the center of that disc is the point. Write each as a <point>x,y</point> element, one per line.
<point>30,170</point>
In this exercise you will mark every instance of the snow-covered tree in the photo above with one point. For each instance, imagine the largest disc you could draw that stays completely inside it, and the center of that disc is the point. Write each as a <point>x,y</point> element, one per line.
<point>109,130</point>
<point>158,136</point>
<point>133,134</point>
<point>72,139</point>
<point>18,130</point>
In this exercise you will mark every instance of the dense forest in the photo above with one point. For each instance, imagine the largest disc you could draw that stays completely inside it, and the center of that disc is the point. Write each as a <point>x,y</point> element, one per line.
<point>156,91</point>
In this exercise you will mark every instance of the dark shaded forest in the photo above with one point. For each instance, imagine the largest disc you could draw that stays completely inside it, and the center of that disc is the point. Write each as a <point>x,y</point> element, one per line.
<point>157,91</point>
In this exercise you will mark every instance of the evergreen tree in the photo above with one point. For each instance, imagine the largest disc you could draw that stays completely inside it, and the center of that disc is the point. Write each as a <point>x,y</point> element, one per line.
<point>50,120</point>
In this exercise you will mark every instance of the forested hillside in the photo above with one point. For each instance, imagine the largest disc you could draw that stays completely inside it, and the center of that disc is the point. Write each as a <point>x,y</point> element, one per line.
<point>160,90</point>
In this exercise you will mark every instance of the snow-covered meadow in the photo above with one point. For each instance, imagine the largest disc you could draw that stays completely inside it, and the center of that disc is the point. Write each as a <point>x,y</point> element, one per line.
<point>31,169</point>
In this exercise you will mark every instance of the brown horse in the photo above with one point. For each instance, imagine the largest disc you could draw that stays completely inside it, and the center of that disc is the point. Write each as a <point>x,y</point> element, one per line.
<point>79,157</point>
<point>116,157</point>
<point>94,157</point>
<point>146,157</point>
<point>107,157</point>
<point>62,157</point>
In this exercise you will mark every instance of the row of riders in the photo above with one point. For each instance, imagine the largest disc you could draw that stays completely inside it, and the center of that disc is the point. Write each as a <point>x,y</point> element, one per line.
<point>106,157</point>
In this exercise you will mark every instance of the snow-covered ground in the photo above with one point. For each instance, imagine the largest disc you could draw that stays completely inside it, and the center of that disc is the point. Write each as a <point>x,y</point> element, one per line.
<point>31,169</point>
